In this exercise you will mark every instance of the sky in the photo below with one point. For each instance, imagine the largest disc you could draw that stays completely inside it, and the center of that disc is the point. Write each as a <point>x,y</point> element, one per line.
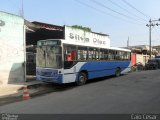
<point>120,19</point>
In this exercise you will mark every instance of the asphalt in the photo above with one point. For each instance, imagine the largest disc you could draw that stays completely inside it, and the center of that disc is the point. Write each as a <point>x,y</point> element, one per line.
<point>14,93</point>
<point>136,92</point>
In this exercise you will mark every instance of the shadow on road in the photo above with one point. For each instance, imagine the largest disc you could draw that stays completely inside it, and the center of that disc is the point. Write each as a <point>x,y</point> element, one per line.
<point>102,79</point>
<point>43,89</point>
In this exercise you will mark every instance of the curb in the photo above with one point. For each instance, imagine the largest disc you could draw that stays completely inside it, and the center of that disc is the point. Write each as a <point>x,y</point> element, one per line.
<point>15,97</point>
<point>37,89</point>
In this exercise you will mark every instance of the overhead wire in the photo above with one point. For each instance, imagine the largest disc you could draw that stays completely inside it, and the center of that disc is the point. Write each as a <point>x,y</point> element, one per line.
<point>140,13</point>
<point>127,11</point>
<point>110,9</point>
<point>87,5</point>
<point>127,3</point>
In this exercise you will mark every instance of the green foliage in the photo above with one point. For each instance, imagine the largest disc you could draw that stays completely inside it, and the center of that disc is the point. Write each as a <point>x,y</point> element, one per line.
<point>87,29</point>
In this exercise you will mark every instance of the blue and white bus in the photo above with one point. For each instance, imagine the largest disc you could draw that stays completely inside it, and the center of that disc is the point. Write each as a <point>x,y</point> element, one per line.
<point>81,56</point>
<point>58,62</point>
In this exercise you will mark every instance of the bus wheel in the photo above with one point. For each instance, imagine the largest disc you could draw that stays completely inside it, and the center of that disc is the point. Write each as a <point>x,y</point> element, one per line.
<point>118,72</point>
<point>82,78</point>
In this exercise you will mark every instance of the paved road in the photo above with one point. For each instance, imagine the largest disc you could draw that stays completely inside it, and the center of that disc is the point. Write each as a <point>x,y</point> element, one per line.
<point>137,92</point>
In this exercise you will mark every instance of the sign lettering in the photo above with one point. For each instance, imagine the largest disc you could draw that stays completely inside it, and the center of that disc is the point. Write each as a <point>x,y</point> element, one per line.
<point>81,37</point>
<point>98,41</point>
<point>78,38</point>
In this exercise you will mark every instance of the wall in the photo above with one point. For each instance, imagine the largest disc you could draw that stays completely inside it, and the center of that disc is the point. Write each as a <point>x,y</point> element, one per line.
<point>139,58</point>
<point>80,37</point>
<point>11,49</point>
<point>133,58</point>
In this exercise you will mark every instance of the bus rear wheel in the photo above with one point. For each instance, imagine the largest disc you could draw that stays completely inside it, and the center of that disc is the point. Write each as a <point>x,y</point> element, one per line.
<point>82,78</point>
<point>118,72</point>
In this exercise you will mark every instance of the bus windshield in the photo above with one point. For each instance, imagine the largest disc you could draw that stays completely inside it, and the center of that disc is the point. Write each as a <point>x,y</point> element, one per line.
<point>49,56</point>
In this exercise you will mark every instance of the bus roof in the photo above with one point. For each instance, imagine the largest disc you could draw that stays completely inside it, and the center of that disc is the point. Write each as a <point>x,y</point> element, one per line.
<point>111,48</point>
<point>121,49</point>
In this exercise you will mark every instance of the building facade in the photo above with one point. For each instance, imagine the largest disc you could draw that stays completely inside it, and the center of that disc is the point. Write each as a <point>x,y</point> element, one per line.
<point>12,49</point>
<point>141,53</point>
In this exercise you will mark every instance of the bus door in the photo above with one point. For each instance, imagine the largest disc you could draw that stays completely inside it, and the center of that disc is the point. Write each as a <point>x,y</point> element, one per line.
<point>70,63</point>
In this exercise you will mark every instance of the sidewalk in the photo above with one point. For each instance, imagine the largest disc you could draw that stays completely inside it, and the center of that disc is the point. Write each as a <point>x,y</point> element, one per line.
<point>11,90</point>
<point>13,93</point>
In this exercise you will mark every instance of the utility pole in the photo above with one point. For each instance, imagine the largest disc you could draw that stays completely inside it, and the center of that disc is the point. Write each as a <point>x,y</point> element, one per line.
<point>151,25</point>
<point>128,42</point>
<point>22,9</point>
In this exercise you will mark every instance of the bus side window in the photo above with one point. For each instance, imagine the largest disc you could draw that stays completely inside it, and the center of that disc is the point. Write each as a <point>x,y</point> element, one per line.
<point>73,55</point>
<point>69,53</point>
<point>82,53</point>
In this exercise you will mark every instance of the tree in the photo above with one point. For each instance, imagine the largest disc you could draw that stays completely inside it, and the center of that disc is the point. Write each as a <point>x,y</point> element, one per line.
<point>87,29</point>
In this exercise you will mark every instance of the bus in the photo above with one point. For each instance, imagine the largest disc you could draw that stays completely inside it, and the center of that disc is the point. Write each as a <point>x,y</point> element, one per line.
<point>60,62</point>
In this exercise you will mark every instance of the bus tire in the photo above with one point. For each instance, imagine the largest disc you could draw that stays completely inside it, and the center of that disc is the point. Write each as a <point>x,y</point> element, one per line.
<point>82,78</point>
<point>118,72</point>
